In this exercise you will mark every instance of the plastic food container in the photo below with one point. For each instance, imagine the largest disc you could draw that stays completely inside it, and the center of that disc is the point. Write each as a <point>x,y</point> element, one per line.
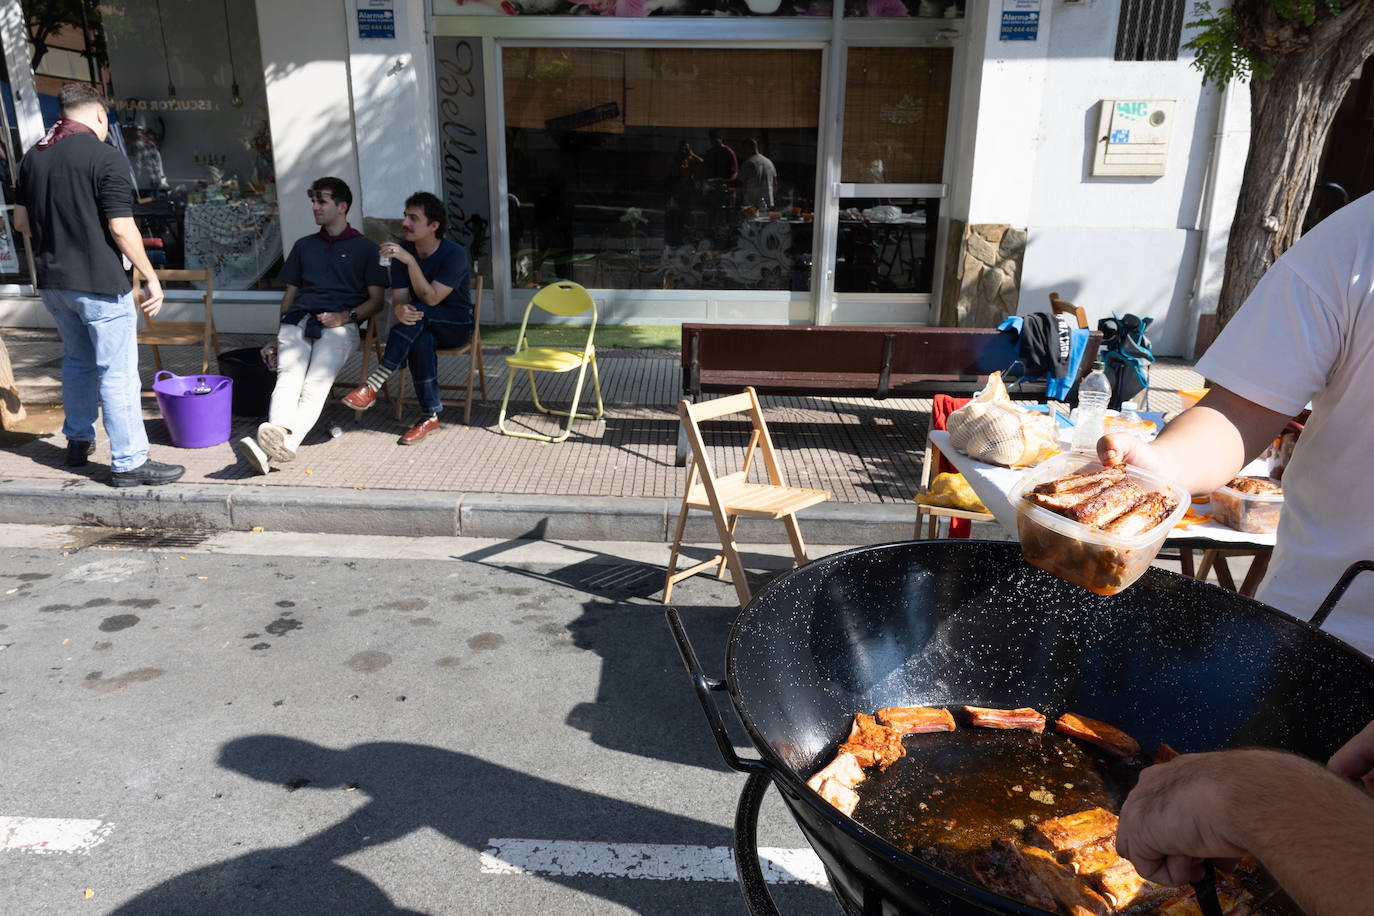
<point>1100,562</point>
<point>1249,512</point>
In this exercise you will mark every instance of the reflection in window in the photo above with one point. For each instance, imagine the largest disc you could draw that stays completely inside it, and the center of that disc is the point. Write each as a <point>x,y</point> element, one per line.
<point>14,259</point>
<point>661,168</point>
<point>185,81</point>
<point>895,107</point>
<point>899,9</point>
<point>886,245</point>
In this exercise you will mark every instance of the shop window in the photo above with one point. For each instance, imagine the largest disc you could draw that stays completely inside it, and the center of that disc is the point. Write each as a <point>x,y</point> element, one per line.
<point>633,8</point>
<point>896,107</point>
<point>186,86</point>
<point>886,245</point>
<point>1149,29</point>
<point>901,9</point>
<point>635,168</point>
<point>14,257</point>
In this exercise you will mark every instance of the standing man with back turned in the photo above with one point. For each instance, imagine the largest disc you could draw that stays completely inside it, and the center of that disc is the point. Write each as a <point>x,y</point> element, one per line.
<point>76,199</point>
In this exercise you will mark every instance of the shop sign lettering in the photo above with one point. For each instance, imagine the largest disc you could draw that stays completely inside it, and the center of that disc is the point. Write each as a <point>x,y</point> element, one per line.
<point>167,104</point>
<point>463,144</point>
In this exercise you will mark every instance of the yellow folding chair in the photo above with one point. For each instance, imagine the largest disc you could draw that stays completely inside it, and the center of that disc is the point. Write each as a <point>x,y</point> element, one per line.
<point>729,496</point>
<point>565,299</point>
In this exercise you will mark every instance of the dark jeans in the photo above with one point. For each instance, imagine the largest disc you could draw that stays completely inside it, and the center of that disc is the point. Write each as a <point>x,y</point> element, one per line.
<point>419,342</point>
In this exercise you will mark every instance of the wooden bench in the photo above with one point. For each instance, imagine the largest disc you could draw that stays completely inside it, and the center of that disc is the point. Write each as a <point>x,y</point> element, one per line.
<point>876,362</point>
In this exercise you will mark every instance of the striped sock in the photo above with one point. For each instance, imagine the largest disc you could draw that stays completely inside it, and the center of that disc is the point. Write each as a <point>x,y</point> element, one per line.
<point>377,377</point>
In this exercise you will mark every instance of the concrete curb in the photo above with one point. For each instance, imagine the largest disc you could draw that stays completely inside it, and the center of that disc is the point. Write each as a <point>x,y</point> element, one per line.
<point>425,513</point>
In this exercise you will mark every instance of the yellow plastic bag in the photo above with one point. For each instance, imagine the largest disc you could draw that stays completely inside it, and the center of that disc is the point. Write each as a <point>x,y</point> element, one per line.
<point>951,491</point>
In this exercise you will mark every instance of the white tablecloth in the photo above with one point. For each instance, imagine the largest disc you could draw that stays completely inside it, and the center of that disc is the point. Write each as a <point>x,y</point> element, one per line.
<point>992,483</point>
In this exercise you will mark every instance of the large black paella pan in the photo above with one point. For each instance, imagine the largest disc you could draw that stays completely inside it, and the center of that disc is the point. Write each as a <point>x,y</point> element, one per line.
<point>946,623</point>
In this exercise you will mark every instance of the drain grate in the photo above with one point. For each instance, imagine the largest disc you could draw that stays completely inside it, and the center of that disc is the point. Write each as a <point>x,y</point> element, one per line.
<point>155,539</point>
<point>631,580</point>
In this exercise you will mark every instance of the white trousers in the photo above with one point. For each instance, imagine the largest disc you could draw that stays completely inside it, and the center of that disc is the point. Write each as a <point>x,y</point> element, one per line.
<point>305,372</point>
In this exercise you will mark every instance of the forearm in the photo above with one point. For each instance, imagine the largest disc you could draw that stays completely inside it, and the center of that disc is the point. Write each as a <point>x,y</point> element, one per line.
<point>420,288</point>
<point>372,304</point>
<point>1205,447</point>
<point>130,242</point>
<point>1311,829</point>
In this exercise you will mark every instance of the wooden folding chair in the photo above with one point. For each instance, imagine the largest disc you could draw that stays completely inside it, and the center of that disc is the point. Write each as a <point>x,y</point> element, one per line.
<point>728,497</point>
<point>1061,306</point>
<point>931,515</point>
<point>930,466</point>
<point>473,348</point>
<point>157,333</point>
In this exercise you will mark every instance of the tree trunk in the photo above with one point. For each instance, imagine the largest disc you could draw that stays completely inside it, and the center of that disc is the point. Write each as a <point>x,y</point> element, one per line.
<point>1291,112</point>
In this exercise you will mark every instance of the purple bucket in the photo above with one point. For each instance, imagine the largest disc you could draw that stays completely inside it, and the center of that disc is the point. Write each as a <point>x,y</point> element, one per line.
<point>195,420</point>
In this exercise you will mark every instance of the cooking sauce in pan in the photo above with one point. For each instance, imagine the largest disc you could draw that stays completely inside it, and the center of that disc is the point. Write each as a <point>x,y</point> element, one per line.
<point>955,792</point>
<point>961,790</point>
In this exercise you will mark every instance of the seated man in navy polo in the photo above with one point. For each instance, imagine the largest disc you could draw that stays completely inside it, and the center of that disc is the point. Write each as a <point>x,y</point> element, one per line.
<point>433,309</point>
<point>333,282</point>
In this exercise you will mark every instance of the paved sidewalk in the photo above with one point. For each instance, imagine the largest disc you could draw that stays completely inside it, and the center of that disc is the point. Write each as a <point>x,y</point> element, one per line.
<point>609,473</point>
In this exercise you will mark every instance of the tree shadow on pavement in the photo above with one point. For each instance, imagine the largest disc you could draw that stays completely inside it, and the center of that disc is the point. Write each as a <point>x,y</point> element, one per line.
<point>410,787</point>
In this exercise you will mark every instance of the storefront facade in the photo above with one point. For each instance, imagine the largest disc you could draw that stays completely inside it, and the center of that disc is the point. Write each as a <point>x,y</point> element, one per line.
<point>768,161</point>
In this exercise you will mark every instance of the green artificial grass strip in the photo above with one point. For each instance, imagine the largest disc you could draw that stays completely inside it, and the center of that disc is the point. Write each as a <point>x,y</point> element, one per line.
<point>608,336</point>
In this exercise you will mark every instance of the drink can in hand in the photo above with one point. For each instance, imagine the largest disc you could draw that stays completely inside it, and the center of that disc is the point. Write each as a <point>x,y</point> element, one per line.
<point>382,259</point>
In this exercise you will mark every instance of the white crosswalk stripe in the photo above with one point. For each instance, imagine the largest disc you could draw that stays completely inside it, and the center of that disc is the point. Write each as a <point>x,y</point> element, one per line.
<point>651,861</point>
<point>52,834</point>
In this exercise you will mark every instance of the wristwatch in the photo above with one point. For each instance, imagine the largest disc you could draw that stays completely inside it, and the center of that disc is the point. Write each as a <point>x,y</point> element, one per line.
<point>353,315</point>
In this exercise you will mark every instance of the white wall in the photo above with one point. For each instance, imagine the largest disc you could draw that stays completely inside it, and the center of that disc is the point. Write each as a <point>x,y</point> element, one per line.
<point>305,57</point>
<point>1107,244</point>
<point>393,84</point>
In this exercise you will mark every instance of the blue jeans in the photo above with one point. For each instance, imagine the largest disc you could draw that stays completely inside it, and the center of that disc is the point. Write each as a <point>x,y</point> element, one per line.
<point>419,342</point>
<point>100,369</point>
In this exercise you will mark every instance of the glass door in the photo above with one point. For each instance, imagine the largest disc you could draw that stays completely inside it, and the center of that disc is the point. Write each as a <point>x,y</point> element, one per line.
<point>896,109</point>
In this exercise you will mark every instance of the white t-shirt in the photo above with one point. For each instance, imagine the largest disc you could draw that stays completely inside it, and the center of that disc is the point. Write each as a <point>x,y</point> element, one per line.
<point>1307,334</point>
<point>758,175</point>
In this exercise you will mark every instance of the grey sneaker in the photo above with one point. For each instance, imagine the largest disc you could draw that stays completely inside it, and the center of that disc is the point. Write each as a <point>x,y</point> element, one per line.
<point>151,473</point>
<point>272,440</point>
<point>248,448</point>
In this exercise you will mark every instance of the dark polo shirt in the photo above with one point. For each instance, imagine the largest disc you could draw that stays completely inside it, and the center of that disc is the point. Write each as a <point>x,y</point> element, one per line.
<point>330,275</point>
<point>72,189</point>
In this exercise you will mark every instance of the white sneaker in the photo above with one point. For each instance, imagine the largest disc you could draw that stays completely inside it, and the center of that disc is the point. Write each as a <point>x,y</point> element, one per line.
<point>255,456</point>
<point>272,440</point>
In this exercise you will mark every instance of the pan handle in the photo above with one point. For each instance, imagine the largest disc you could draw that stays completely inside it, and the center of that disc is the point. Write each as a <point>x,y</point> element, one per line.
<point>704,685</point>
<point>1338,590</point>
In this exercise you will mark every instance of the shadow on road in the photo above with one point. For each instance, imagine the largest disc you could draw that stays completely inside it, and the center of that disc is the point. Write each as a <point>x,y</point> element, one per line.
<point>410,787</point>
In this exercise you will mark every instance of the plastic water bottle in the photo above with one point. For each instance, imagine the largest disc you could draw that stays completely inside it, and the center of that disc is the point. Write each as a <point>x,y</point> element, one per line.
<point>201,386</point>
<point>1093,394</point>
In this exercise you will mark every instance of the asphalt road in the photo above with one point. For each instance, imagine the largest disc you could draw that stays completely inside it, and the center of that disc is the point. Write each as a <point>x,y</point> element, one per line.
<point>262,724</point>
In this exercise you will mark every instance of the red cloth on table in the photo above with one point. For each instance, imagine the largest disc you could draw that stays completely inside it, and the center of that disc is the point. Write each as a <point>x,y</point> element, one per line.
<point>941,407</point>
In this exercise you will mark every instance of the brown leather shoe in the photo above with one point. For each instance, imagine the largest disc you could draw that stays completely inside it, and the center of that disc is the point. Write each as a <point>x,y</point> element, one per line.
<point>361,398</point>
<point>420,430</point>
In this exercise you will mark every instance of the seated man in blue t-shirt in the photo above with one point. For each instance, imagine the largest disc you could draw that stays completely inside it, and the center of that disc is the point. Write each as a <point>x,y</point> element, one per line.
<point>433,309</point>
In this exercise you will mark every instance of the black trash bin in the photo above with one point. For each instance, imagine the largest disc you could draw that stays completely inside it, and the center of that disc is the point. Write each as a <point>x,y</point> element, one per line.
<point>253,381</point>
